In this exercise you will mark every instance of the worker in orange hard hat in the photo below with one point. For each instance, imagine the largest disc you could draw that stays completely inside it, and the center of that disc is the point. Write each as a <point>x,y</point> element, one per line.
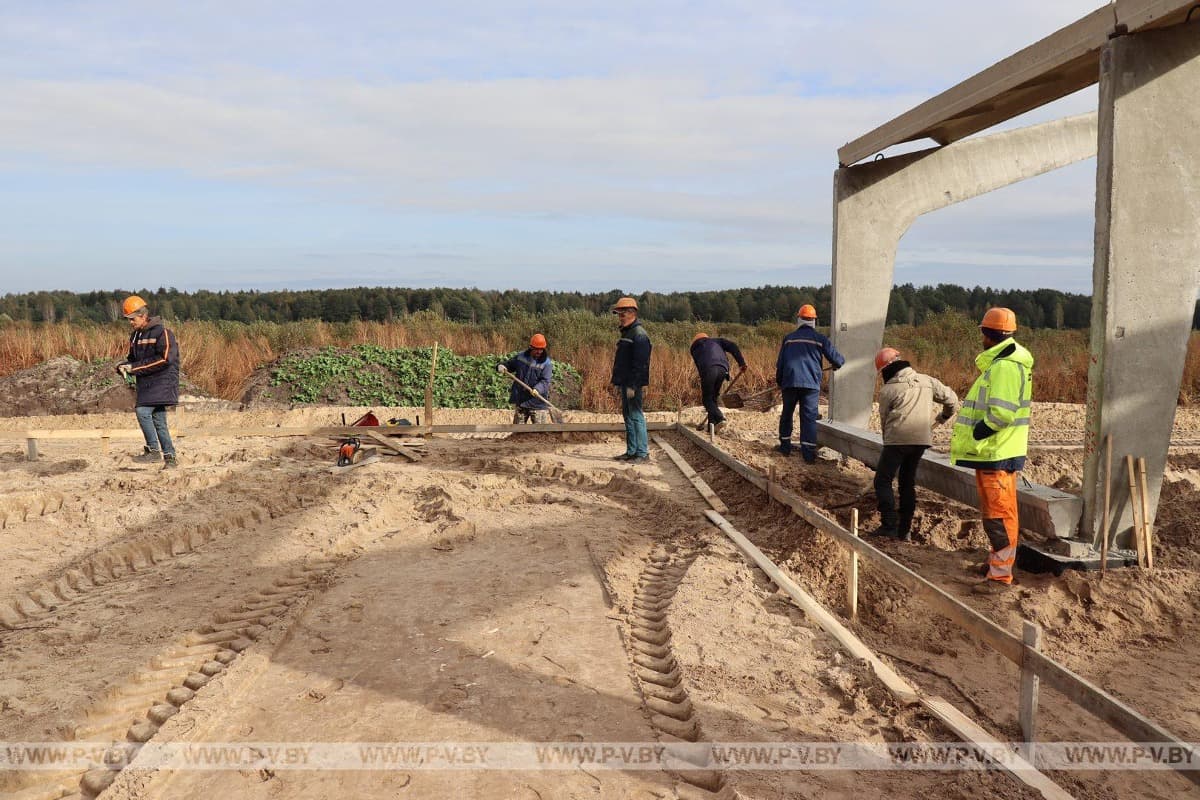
<point>631,374</point>
<point>991,436</point>
<point>709,354</point>
<point>908,406</point>
<point>798,372</point>
<point>153,362</point>
<point>534,368</point>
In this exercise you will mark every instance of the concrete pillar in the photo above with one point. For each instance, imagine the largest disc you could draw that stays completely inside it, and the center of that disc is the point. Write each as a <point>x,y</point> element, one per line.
<point>1147,268</point>
<point>876,202</point>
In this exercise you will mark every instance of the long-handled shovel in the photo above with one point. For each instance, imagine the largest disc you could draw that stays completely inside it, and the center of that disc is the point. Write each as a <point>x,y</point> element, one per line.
<point>556,414</point>
<point>733,399</point>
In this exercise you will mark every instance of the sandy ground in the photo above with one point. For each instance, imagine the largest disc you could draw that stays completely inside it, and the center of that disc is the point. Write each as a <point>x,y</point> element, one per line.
<point>522,589</point>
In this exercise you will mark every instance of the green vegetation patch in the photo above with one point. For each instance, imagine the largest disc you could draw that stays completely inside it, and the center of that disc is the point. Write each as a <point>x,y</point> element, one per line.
<point>370,375</point>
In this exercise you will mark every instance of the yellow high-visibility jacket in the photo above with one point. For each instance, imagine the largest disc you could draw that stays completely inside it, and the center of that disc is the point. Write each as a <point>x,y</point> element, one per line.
<point>1000,399</point>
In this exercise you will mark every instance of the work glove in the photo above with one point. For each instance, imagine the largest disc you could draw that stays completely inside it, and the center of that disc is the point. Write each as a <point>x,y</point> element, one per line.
<point>940,420</point>
<point>981,431</point>
<point>501,369</point>
<point>123,368</point>
<point>630,392</point>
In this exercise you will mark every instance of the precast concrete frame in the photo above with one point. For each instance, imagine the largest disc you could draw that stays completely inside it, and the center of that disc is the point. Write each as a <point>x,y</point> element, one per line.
<point>1145,56</point>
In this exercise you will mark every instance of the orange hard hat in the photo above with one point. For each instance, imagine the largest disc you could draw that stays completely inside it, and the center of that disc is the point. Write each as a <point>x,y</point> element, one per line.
<point>537,341</point>
<point>886,356</point>
<point>807,311</point>
<point>132,304</point>
<point>1000,319</point>
<point>698,337</point>
<point>625,303</point>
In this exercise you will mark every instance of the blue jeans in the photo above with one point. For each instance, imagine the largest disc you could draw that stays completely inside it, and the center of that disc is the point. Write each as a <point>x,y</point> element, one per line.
<point>807,400</point>
<point>153,421</point>
<point>637,443</point>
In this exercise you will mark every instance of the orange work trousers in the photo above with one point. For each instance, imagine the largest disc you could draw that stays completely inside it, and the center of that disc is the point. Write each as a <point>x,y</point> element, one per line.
<point>998,507</point>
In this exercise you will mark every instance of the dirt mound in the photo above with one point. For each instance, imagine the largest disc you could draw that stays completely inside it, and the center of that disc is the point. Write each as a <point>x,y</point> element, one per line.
<point>65,385</point>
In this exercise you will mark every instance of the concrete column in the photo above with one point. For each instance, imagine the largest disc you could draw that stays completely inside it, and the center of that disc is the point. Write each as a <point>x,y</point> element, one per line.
<point>1147,268</point>
<point>876,202</point>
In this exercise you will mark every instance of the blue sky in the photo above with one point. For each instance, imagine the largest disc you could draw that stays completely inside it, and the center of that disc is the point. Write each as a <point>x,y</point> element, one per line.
<point>578,145</point>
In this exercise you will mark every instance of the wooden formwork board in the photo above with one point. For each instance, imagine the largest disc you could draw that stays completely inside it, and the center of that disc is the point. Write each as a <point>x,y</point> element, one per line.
<point>901,689</point>
<point>329,430</point>
<point>1082,692</point>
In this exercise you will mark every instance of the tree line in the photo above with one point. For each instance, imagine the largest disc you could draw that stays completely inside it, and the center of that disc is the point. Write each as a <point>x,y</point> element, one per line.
<point>909,305</point>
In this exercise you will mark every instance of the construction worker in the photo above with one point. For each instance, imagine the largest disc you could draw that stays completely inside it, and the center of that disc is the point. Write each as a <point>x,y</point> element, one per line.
<point>534,368</point>
<point>991,435</point>
<point>153,360</point>
<point>907,407</point>
<point>630,374</point>
<point>798,373</point>
<point>711,362</point>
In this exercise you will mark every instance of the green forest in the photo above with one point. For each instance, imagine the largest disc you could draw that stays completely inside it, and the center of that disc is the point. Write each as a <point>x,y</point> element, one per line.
<point>1038,308</point>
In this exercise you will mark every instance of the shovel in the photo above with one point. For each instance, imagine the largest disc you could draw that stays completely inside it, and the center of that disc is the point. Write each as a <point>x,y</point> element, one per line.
<point>736,397</point>
<point>556,414</point>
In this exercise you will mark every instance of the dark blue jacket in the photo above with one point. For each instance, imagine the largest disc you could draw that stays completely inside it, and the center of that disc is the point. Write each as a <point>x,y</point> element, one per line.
<point>631,365</point>
<point>800,359</point>
<point>537,372</point>
<point>154,360</point>
<point>710,352</point>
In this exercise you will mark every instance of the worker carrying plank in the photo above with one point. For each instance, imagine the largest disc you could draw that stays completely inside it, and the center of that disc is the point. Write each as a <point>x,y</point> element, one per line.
<point>533,368</point>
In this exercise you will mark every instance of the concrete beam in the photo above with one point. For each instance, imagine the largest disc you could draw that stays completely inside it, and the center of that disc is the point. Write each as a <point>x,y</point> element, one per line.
<point>1147,268</point>
<point>1042,509</point>
<point>876,202</point>
<point>1051,68</point>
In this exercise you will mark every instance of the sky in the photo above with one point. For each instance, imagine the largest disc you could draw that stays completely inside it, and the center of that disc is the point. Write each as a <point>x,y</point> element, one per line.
<point>578,145</point>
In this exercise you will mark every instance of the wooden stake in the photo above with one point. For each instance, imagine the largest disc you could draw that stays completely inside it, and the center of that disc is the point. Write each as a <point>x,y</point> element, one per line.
<point>31,449</point>
<point>429,388</point>
<point>1141,463</point>
<point>852,573</point>
<point>1032,639</point>
<point>1134,506</point>
<point>1107,502</point>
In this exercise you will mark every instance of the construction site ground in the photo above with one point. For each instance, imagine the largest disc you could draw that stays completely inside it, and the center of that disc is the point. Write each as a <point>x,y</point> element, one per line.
<point>493,592</point>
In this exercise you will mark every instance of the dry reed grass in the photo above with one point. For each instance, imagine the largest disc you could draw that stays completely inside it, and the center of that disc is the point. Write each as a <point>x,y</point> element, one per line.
<point>220,357</point>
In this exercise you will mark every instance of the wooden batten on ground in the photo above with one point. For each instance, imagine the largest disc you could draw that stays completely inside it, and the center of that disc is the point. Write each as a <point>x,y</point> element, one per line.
<point>1079,690</point>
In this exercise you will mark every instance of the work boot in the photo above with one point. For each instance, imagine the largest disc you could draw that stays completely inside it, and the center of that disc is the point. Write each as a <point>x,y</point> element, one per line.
<point>149,456</point>
<point>720,426</point>
<point>888,525</point>
<point>640,460</point>
<point>625,457</point>
<point>784,448</point>
<point>904,528</point>
<point>169,461</point>
<point>991,587</point>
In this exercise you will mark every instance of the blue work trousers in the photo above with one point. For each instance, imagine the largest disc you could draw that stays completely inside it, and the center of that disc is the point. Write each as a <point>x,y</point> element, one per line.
<point>806,399</point>
<point>637,443</point>
<point>153,422</point>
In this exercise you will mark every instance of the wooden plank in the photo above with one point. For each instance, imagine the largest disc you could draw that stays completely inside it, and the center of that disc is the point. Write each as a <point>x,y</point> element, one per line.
<point>1081,691</point>
<point>1107,503</point>
<point>1141,465</point>
<point>852,572</point>
<point>429,387</point>
<point>391,445</point>
<point>1134,508</point>
<point>703,488</point>
<point>900,688</point>
<point>370,458</point>
<point>970,620</point>
<point>332,431</point>
<point>852,644</point>
<point>1031,637</point>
